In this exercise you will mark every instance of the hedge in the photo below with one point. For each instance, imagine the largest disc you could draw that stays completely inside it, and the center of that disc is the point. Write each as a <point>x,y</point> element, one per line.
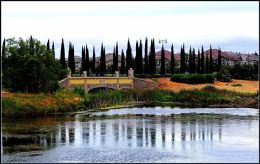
<point>193,78</point>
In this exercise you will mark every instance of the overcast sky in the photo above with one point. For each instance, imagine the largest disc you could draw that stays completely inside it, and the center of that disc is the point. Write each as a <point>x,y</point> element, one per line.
<point>232,26</point>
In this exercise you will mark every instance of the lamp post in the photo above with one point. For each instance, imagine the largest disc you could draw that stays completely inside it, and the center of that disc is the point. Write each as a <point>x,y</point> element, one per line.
<point>162,41</point>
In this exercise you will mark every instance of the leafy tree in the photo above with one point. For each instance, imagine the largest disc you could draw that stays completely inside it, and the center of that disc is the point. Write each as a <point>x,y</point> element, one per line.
<point>210,61</point>
<point>71,60</point>
<point>62,55</point>
<point>139,58</point>
<point>198,63</point>
<point>116,59</point>
<point>219,59</point>
<point>137,71</point>
<point>207,63</point>
<point>3,55</point>
<point>202,61</point>
<point>183,63</point>
<point>129,58</point>
<point>53,50</point>
<point>190,61</point>
<point>94,61</point>
<point>87,66</point>
<point>122,68</point>
<point>31,72</point>
<point>193,61</point>
<point>146,64</point>
<point>152,61</point>
<point>83,60</point>
<point>172,60</point>
<point>48,45</point>
<point>162,61</point>
<point>102,61</point>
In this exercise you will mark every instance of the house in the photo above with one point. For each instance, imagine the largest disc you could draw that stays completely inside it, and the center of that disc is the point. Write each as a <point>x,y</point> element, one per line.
<point>167,58</point>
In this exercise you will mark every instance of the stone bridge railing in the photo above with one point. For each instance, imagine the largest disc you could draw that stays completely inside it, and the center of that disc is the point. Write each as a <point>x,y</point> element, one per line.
<point>117,82</point>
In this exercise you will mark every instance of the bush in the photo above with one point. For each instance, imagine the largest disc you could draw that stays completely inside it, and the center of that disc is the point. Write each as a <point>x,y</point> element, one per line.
<point>79,90</point>
<point>223,75</point>
<point>193,78</point>
<point>151,76</point>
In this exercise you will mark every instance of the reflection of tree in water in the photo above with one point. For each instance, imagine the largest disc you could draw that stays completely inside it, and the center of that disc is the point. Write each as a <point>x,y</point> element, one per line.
<point>139,133</point>
<point>125,131</point>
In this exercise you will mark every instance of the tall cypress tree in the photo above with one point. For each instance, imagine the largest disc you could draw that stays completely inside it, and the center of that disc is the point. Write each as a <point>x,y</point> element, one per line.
<point>162,61</point>
<point>152,61</point>
<point>190,61</point>
<point>219,59</point>
<point>3,56</point>
<point>87,59</point>
<point>146,64</point>
<point>103,60</point>
<point>198,62</point>
<point>128,57</point>
<point>62,55</point>
<point>140,58</point>
<point>53,49</point>
<point>114,61</point>
<point>207,63</point>
<point>122,68</point>
<point>94,61</point>
<point>48,45</point>
<point>172,60</point>
<point>70,57</point>
<point>193,61</point>
<point>202,61</point>
<point>183,63</point>
<point>31,46</point>
<point>71,60</point>
<point>116,55</point>
<point>83,67</point>
<point>137,71</point>
<point>211,69</point>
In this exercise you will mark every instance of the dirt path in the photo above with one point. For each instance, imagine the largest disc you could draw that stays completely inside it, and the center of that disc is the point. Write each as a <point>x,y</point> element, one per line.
<point>247,85</point>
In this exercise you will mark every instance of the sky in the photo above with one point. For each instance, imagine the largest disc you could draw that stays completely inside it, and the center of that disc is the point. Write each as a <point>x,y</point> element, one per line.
<point>232,26</point>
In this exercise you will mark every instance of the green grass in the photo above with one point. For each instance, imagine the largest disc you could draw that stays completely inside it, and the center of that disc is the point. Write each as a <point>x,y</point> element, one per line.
<point>70,101</point>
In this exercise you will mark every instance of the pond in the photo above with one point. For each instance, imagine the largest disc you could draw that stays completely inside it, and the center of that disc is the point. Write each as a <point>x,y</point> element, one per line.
<point>167,136</point>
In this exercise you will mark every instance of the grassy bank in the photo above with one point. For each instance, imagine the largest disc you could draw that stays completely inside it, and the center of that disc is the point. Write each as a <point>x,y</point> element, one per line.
<point>71,101</point>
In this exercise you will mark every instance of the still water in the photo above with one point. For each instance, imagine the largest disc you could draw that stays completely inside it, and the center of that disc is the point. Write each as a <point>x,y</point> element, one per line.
<point>137,139</point>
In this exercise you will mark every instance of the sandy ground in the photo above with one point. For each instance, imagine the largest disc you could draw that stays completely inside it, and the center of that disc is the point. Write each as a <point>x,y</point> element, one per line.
<point>247,85</point>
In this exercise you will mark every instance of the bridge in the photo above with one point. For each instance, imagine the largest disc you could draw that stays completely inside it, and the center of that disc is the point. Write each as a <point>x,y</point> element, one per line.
<point>90,83</point>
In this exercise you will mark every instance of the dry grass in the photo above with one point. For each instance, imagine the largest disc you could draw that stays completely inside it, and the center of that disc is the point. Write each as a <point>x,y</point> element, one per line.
<point>247,85</point>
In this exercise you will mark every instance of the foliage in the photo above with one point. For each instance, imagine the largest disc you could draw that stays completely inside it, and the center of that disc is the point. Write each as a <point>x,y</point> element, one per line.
<point>71,59</point>
<point>87,65</point>
<point>31,67</point>
<point>244,72</point>
<point>193,78</point>
<point>102,61</point>
<point>223,75</point>
<point>152,61</point>
<point>129,58</point>
<point>122,68</point>
<point>146,64</point>
<point>162,61</point>
<point>79,90</point>
<point>94,61</point>
<point>172,60</point>
<point>62,55</point>
<point>182,62</point>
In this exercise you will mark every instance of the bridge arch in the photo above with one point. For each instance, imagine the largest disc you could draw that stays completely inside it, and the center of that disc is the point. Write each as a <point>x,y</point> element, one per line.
<point>98,88</point>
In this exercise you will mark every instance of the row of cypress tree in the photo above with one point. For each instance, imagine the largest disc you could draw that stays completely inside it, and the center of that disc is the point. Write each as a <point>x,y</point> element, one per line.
<point>146,65</point>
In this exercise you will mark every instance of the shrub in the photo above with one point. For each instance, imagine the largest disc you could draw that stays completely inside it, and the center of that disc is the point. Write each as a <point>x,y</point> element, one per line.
<point>193,78</point>
<point>223,75</point>
<point>79,90</point>
<point>236,85</point>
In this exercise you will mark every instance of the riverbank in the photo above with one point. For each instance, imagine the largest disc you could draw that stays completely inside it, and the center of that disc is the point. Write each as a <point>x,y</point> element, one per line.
<point>66,101</point>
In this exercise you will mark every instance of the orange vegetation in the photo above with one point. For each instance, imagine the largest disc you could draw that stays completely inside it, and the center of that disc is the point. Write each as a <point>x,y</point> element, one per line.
<point>247,85</point>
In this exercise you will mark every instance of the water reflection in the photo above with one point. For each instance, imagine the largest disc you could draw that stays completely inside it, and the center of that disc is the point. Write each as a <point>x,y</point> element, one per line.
<point>144,133</point>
